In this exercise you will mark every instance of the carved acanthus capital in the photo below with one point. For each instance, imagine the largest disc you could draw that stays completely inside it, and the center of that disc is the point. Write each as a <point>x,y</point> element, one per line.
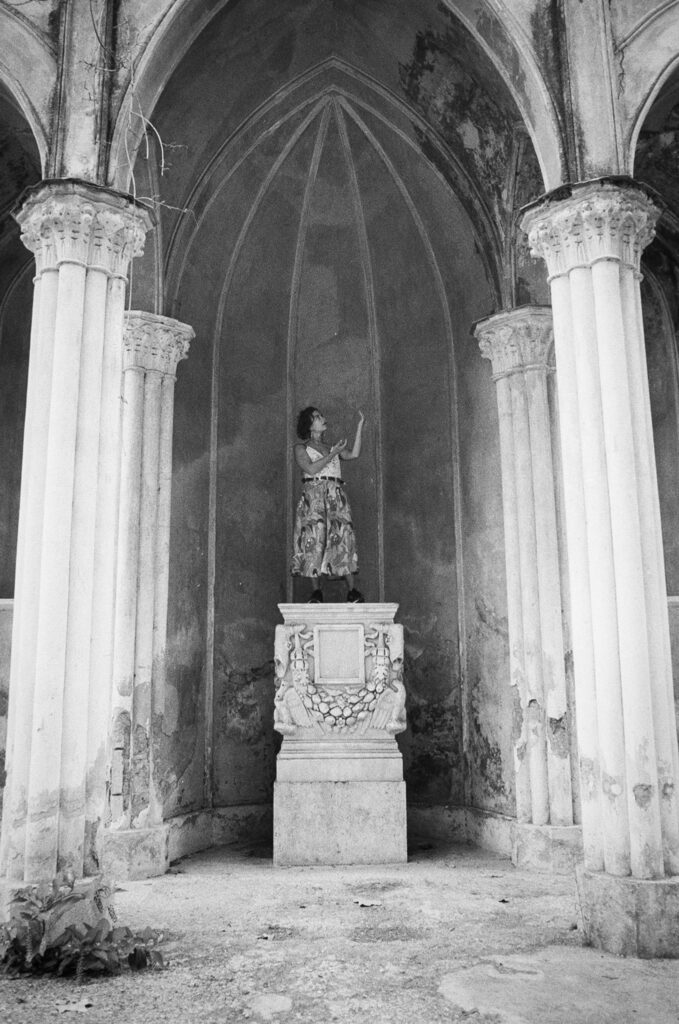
<point>600,220</point>
<point>153,342</point>
<point>517,339</point>
<point>73,222</point>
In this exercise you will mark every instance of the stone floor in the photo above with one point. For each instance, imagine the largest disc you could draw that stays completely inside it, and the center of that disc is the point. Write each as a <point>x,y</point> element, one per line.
<point>454,935</point>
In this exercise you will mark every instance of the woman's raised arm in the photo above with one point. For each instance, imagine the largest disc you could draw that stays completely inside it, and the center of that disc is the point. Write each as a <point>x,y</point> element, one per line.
<point>356,450</point>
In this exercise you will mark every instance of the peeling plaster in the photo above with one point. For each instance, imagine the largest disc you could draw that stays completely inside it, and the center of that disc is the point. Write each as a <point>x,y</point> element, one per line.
<point>445,81</point>
<point>139,776</point>
<point>489,619</point>
<point>558,736</point>
<point>612,786</point>
<point>643,794</point>
<point>589,776</point>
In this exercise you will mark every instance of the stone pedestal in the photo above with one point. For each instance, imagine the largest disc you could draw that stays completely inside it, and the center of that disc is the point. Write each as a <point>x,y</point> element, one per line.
<point>339,796</point>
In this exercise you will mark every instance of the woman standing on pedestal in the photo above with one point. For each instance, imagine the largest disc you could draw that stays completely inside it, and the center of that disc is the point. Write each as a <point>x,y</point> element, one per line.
<point>324,543</point>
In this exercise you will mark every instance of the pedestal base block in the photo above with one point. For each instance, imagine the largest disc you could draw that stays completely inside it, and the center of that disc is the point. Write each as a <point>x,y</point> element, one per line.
<point>630,916</point>
<point>136,853</point>
<point>357,822</point>
<point>553,848</point>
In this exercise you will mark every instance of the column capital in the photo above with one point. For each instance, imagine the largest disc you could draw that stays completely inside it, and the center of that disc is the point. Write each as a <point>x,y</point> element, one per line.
<point>72,221</point>
<point>598,220</point>
<point>153,342</point>
<point>516,339</point>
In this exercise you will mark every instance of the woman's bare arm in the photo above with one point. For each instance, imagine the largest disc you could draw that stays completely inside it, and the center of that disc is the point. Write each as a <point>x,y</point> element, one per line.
<point>310,466</point>
<point>356,450</point>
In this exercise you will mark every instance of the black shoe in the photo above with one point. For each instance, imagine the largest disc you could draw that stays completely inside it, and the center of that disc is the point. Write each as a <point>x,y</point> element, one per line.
<point>316,597</point>
<point>355,597</point>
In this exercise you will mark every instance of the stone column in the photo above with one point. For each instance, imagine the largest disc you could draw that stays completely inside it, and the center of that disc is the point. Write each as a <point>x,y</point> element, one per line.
<point>519,344</point>
<point>153,346</point>
<point>83,237</point>
<point>591,240</point>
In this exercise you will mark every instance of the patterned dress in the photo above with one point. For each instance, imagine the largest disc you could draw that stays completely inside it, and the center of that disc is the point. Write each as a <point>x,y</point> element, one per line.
<point>323,542</point>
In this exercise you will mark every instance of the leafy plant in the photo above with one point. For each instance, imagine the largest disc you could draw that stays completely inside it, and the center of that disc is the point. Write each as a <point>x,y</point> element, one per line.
<point>33,941</point>
<point>101,948</point>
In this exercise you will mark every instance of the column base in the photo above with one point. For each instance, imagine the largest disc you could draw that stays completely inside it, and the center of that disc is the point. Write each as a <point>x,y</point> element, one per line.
<point>136,853</point>
<point>630,916</point>
<point>551,848</point>
<point>332,823</point>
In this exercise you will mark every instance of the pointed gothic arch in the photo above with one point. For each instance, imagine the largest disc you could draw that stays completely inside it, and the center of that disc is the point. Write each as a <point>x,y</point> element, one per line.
<point>494,30</point>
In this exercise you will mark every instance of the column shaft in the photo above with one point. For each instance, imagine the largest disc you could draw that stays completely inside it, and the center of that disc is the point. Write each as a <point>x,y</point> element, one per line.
<point>82,236</point>
<point>163,540</point>
<point>530,611</point>
<point>141,749</point>
<point>626,531</point>
<point>517,669</point>
<point>548,583</point>
<point>655,586</point>
<point>29,550</point>
<point>153,346</point>
<point>106,546</point>
<point>578,561</point>
<point>74,739</point>
<point>601,576</point>
<point>44,789</point>
<point>592,242</point>
<point>518,344</point>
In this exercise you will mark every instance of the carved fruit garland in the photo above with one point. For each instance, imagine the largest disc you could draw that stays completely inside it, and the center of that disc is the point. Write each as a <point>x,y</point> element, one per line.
<point>345,709</point>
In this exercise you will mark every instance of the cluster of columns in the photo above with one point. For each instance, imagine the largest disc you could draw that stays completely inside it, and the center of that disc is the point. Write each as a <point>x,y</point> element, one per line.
<point>65,636</point>
<point>153,346</point>
<point>519,344</point>
<point>592,240</point>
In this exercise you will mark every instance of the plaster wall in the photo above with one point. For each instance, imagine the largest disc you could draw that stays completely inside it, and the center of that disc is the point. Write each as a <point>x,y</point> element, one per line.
<point>354,314</point>
<point>492,705</point>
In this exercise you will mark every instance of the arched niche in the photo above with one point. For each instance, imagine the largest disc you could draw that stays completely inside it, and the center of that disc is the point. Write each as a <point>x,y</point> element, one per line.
<point>331,231</point>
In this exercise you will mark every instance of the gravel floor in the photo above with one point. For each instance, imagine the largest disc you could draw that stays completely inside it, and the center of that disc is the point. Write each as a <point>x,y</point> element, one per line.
<point>454,935</point>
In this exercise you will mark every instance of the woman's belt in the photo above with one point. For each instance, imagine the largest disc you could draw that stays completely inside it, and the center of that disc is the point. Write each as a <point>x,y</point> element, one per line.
<point>328,479</point>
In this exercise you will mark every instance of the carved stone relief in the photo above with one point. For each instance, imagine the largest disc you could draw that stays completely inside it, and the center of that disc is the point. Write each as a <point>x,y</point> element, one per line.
<point>304,707</point>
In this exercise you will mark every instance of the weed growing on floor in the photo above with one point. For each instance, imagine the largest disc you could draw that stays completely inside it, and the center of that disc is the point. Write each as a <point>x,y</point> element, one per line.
<point>34,942</point>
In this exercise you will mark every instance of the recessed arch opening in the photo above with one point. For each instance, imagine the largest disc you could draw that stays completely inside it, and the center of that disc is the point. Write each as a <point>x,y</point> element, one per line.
<point>331,232</point>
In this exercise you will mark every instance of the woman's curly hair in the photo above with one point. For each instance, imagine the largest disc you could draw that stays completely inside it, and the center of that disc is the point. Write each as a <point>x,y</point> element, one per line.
<point>304,421</point>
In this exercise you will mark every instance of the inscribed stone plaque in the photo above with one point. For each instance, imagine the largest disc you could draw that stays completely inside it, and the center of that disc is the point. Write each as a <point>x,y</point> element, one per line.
<point>339,655</point>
